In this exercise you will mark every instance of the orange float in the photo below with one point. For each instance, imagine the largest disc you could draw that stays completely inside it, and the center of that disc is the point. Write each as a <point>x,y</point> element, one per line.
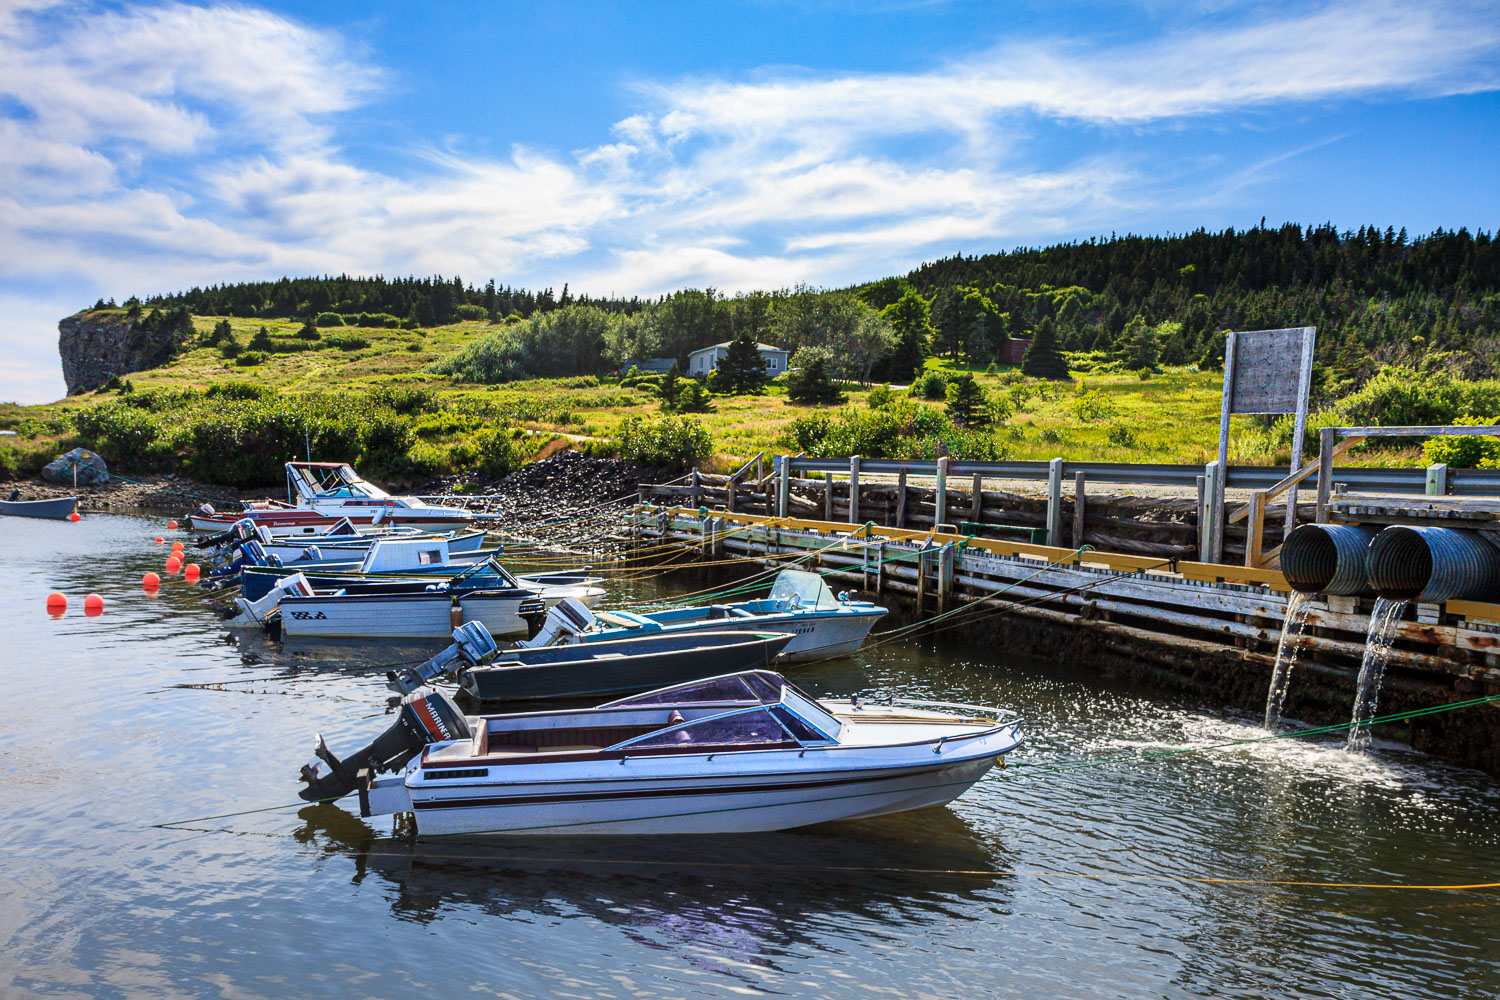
<point>150,581</point>
<point>56,601</point>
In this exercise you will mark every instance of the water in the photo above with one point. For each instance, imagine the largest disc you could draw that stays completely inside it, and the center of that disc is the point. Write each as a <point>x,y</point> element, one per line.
<point>1030,885</point>
<point>1287,649</point>
<point>1384,618</point>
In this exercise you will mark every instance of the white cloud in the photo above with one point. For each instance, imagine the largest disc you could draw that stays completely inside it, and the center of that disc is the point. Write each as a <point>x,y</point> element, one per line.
<point>130,163</point>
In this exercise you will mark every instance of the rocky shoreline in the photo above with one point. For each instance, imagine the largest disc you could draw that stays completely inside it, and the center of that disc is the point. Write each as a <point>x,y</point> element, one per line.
<point>565,486</point>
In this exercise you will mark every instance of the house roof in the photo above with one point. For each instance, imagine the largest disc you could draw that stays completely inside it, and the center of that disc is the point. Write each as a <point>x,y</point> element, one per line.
<point>759,346</point>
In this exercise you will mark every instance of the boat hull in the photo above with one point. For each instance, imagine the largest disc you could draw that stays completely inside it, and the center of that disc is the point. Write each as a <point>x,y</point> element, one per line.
<point>815,636</point>
<point>614,668</point>
<point>342,551</point>
<point>408,616</point>
<point>56,509</point>
<point>749,803</point>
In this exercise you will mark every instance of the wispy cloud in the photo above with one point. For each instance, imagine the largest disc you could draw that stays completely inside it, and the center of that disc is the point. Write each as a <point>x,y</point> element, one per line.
<point>129,162</point>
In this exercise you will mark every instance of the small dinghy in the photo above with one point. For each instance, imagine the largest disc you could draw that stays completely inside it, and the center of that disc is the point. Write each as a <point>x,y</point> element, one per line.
<point>599,668</point>
<point>738,753</point>
<point>56,509</point>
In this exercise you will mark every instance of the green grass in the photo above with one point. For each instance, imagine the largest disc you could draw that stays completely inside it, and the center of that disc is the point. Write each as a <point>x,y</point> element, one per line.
<point>1169,417</point>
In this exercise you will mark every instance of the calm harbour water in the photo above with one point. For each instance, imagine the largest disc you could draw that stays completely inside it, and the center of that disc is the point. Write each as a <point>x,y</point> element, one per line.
<point>993,896</point>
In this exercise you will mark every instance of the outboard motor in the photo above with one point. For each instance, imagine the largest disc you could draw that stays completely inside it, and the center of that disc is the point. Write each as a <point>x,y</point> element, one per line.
<point>254,554</point>
<point>472,644</point>
<point>423,719</point>
<point>254,612</point>
<point>568,619</point>
<point>233,536</point>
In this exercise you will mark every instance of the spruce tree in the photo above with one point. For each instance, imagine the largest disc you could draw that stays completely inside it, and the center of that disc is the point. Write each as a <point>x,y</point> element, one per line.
<point>911,317</point>
<point>743,370</point>
<point>669,386</point>
<point>1042,358</point>
<point>811,384</point>
<point>693,397</point>
<point>968,404</point>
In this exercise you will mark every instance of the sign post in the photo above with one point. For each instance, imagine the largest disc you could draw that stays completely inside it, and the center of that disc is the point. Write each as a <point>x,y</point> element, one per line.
<point>1265,372</point>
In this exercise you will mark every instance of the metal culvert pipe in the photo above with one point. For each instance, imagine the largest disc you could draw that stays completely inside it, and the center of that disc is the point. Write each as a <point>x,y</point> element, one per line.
<point>1432,565</point>
<point>1328,558</point>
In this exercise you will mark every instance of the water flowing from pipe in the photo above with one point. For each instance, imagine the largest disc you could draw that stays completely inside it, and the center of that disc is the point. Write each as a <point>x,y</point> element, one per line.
<point>1383,621</point>
<point>1287,650</point>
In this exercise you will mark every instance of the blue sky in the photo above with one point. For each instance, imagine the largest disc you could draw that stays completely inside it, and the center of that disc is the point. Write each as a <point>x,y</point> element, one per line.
<point>636,148</point>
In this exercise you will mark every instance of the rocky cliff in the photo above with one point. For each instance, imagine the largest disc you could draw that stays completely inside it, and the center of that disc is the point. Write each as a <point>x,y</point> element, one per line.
<point>96,344</point>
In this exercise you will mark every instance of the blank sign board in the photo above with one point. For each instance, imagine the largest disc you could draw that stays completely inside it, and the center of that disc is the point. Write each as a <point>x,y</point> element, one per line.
<point>1268,369</point>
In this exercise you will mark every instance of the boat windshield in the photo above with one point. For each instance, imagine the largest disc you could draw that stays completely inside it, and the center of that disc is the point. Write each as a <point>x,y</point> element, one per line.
<point>484,570</point>
<point>756,686</point>
<point>799,589</point>
<point>739,727</point>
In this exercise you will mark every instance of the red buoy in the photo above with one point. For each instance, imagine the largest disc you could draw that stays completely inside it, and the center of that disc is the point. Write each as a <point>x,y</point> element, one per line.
<point>74,516</point>
<point>172,525</point>
<point>173,565</point>
<point>190,571</point>
<point>160,540</point>
<point>150,581</point>
<point>177,546</point>
<point>56,601</point>
<point>93,605</point>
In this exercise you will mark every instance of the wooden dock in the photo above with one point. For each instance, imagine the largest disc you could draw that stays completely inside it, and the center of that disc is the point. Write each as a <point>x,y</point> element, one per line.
<point>1195,626</point>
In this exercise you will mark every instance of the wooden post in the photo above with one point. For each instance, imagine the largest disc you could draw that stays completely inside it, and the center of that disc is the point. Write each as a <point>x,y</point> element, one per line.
<point>1299,424</point>
<point>783,485</point>
<point>853,489</point>
<point>759,459</point>
<point>901,499</point>
<point>922,581</point>
<point>945,574</point>
<point>940,510</point>
<point>1210,527</point>
<point>1255,537</point>
<point>729,497</point>
<point>828,496</point>
<point>1325,471</point>
<point>1437,480</point>
<point>697,490</point>
<point>977,515</point>
<point>1078,508</point>
<point>1054,501</point>
<point>879,567</point>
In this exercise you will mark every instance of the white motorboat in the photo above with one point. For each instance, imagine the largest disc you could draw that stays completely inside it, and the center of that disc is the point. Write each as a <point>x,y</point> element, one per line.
<point>731,754</point>
<point>321,493</point>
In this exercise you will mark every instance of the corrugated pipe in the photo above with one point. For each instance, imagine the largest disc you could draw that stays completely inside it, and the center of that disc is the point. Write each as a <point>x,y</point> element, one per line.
<point>1328,558</point>
<point>1432,565</point>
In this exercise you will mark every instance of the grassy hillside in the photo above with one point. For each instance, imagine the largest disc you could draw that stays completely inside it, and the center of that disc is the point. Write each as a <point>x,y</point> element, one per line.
<point>365,394</point>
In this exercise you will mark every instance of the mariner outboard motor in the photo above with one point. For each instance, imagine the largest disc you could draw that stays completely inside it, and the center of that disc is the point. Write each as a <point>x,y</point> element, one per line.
<point>472,645</point>
<point>235,535</point>
<point>423,719</point>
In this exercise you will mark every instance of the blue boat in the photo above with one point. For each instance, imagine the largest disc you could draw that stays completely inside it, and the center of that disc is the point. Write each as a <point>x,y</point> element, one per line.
<point>800,604</point>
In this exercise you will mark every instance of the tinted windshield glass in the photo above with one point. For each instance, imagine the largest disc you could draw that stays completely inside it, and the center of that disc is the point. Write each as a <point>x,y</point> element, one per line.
<point>752,726</point>
<point>802,589</point>
<point>759,685</point>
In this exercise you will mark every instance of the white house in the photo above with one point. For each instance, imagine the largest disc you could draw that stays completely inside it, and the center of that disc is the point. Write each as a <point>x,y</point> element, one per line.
<point>706,359</point>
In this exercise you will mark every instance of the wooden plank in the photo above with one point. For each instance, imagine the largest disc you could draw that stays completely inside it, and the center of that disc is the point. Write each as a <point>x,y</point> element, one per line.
<point>977,508</point>
<point>853,489</point>
<point>1256,539</point>
<point>1054,502</point>
<point>901,500</point>
<point>941,490</point>
<point>1299,423</point>
<point>828,496</point>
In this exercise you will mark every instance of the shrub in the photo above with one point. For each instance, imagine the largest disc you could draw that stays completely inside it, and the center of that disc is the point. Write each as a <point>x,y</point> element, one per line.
<point>309,332</point>
<point>1122,436</point>
<point>692,397</point>
<point>113,384</point>
<point>930,385</point>
<point>10,462</point>
<point>328,319</point>
<point>968,403</point>
<point>903,429</point>
<point>221,332</point>
<point>375,320</point>
<point>880,396</point>
<point>262,341</point>
<point>352,343</point>
<point>668,442</point>
<point>239,390</point>
<point>230,347</point>
<point>250,358</point>
<point>406,400</point>
<point>1464,452</point>
<point>1090,405</point>
<point>494,452</point>
<point>472,312</point>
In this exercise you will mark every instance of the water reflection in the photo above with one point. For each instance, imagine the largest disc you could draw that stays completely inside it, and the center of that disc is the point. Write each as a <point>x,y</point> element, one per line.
<point>752,897</point>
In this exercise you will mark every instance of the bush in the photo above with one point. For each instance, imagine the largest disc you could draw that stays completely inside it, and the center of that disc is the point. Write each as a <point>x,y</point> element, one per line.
<point>880,396</point>
<point>1474,452</point>
<point>1090,405</point>
<point>230,347</point>
<point>353,343</point>
<point>328,319</point>
<point>809,383</point>
<point>669,442</point>
<point>692,397</point>
<point>250,358</point>
<point>309,332</point>
<point>1122,436</point>
<point>262,341</point>
<point>930,385</point>
<point>472,312</point>
<point>375,320</point>
<point>903,429</point>
<point>239,390</point>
